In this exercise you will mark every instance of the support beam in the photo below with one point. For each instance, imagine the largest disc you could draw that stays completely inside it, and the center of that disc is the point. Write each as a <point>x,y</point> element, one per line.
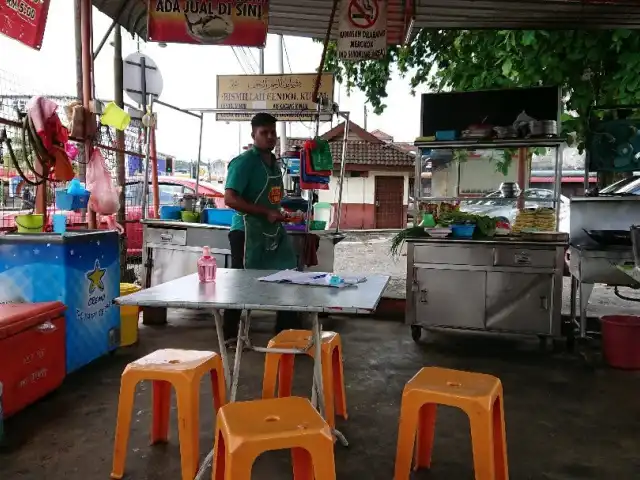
<point>87,82</point>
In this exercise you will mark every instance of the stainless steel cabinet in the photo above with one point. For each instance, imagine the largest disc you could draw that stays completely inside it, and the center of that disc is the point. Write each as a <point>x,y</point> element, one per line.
<point>498,285</point>
<point>519,302</point>
<point>450,298</point>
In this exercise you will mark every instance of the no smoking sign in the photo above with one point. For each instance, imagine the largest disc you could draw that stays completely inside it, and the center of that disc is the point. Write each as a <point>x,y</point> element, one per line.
<point>363,13</point>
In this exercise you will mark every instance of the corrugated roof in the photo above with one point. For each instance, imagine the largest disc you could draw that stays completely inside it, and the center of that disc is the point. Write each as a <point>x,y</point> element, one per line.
<point>309,18</point>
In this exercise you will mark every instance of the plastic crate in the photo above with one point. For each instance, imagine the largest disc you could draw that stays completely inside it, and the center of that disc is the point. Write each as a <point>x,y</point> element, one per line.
<point>67,201</point>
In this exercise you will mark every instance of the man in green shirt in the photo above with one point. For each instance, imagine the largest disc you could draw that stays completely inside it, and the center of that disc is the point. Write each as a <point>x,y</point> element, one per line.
<point>258,240</point>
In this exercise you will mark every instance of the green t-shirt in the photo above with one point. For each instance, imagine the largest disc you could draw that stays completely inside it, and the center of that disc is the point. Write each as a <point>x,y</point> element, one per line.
<point>247,176</point>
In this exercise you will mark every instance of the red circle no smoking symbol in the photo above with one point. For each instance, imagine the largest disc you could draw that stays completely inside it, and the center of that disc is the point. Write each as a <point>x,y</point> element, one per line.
<point>363,13</point>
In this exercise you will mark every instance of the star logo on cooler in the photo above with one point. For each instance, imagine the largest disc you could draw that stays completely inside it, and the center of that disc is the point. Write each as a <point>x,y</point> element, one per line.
<point>95,277</point>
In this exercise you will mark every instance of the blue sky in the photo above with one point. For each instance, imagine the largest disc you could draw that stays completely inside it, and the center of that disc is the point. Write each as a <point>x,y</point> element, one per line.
<point>189,74</point>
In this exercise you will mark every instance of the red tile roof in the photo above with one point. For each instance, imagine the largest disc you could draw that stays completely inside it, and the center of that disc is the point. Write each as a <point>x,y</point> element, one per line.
<point>361,152</point>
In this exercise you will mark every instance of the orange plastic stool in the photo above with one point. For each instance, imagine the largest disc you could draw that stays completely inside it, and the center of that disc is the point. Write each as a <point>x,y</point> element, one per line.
<point>182,369</point>
<point>245,430</point>
<point>478,395</point>
<point>280,367</point>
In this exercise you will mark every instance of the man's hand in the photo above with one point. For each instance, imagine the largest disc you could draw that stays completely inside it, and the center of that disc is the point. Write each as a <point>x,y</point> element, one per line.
<point>275,216</point>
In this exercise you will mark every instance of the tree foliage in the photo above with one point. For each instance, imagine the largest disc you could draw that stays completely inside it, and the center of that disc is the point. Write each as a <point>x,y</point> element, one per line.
<point>593,67</point>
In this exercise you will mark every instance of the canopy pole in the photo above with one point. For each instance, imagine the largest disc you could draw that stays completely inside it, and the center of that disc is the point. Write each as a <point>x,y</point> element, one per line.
<point>87,90</point>
<point>199,156</point>
<point>343,162</point>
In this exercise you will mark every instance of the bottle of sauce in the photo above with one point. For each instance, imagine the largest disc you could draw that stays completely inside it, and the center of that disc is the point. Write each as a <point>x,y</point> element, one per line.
<point>207,266</point>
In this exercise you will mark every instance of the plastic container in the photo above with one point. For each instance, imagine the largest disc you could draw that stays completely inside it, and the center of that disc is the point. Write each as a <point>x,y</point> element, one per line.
<point>170,212</point>
<point>31,223</point>
<point>129,315</point>
<point>190,217</point>
<point>207,266</point>
<point>621,341</point>
<point>59,223</point>
<point>219,216</point>
<point>323,212</point>
<point>317,225</point>
<point>32,352</point>
<point>70,201</point>
<point>462,231</point>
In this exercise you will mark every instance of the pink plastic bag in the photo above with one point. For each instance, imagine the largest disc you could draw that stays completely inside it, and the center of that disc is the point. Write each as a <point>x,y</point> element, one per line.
<point>104,194</point>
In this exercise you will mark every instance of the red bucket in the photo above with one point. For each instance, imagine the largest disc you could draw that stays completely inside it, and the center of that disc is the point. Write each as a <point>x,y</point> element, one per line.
<point>621,341</point>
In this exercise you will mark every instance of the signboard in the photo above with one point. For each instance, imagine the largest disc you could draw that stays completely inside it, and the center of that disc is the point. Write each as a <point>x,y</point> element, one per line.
<point>24,20</point>
<point>292,92</point>
<point>132,70</point>
<point>240,23</point>
<point>362,30</point>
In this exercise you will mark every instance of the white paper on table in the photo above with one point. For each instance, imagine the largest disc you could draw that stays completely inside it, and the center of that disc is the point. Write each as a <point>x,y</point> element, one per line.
<point>308,278</point>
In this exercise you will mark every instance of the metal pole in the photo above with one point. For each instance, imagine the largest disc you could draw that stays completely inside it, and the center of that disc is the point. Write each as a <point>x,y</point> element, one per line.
<point>558,184</point>
<point>154,171</point>
<point>82,167</point>
<point>145,185</point>
<point>343,162</point>
<point>118,96</point>
<point>87,89</point>
<point>283,125</point>
<point>199,155</point>
<point>261,61</point>
<point>104,39</point>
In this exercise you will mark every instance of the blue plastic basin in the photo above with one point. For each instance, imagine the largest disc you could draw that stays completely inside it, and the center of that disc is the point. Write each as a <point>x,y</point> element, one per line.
<point>170,212</point>
<point>462,231</point>
<point>219,216</point>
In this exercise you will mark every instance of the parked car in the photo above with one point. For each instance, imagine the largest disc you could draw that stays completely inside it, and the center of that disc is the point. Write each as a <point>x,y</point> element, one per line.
<point>494,205</point>
<point>171,190</point>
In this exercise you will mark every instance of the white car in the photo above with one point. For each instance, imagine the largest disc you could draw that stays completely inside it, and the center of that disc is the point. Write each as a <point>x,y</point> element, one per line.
<point>493,205</point>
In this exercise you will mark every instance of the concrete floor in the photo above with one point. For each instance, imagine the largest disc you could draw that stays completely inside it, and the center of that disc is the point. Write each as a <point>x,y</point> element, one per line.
<point>564,421</point>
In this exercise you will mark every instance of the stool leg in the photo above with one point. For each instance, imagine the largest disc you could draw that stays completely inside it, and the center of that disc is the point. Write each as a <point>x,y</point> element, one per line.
<point>188,394</point>
<point>161,408</point>
<point>271,364</point>
<point>302,465</point>
<point>338,383</point>
<point>406,439</point>
<point>328,384</point>
<point>483,445</point>
<point>500,440</point>
<point>218,388</point>
<point>123,425</point>
<point>285,375</point>
<point>324,466</point>
<point>219,457</point>
<point>238,466</point>
<point>426,430</point>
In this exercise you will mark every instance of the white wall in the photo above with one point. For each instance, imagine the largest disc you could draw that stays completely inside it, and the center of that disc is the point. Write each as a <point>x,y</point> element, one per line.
<point>360,189</point>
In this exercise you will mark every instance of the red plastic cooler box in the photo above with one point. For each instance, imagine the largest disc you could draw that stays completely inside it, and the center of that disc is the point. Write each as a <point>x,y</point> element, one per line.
<point>32,352</point>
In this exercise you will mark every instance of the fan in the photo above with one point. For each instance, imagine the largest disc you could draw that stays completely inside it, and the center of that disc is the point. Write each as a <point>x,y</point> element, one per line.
<point>614,146</point>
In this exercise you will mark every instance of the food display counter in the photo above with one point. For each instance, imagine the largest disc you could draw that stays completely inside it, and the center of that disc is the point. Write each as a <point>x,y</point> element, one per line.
<point>496,285</point>
<point>171,248</point>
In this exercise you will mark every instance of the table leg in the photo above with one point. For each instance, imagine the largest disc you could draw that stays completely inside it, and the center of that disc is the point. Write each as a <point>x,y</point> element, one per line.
<point>243,336</point>
<point>317,396</point>
<point>223,349</point>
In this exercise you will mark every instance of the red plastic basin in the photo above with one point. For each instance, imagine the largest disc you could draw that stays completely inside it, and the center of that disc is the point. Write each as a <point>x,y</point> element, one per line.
<point>621,341</point>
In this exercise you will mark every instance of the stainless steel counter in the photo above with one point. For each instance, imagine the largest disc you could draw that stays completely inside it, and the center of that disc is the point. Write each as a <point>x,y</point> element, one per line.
<point>172,248</point>
<point>499,285</point>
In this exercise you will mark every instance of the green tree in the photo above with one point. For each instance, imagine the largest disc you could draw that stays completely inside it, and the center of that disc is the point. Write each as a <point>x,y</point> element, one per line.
<point>593,67</point>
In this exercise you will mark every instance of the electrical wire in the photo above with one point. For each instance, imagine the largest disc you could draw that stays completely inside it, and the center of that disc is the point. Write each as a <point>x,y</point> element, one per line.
<point>286,55</point>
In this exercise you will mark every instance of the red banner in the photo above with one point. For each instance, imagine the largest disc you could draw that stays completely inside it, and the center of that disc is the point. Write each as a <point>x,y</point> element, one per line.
<point>24,20</point>
<point>241,23</point>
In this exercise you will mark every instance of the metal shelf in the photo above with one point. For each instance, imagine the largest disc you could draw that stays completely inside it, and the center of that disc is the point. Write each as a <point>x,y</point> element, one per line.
<point>497,143</point>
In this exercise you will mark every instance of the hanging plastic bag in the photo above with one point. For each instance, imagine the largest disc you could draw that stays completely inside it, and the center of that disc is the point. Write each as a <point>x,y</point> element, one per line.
<point>104,194</point>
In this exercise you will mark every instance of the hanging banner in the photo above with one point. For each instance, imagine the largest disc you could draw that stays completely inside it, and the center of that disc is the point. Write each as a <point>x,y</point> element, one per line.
<point>236,23</point>
<point>24,20</point>
<point>362,30</point>
<point>291,92</point>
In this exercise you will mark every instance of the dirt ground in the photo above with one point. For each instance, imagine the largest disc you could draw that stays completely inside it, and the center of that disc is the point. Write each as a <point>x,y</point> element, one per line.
<point>564,421</point>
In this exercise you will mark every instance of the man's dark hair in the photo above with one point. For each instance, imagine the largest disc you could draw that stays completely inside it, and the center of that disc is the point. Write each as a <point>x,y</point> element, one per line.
<point>262,120</point>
